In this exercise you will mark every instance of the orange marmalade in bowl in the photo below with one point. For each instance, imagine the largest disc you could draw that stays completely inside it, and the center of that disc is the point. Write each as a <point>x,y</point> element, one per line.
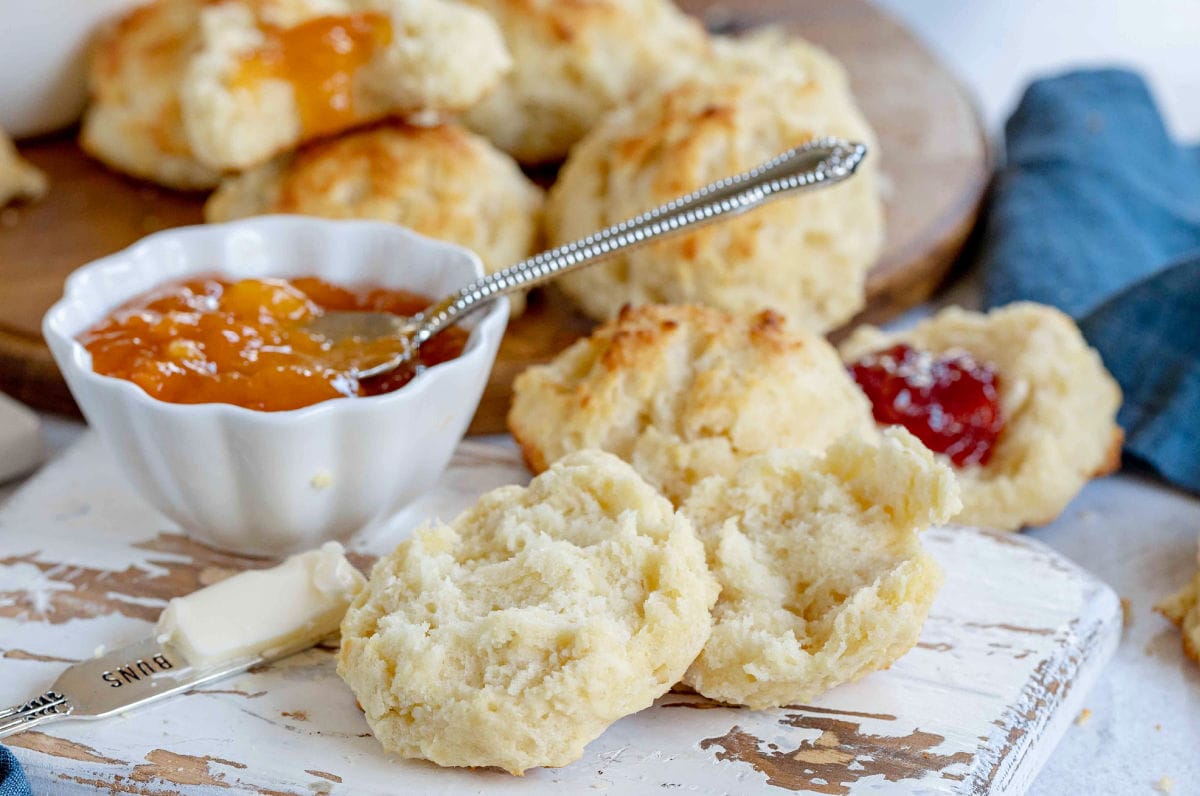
<point>212,340</point>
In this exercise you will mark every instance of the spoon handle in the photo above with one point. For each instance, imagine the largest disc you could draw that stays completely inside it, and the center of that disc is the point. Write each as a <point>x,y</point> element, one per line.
<point>821,162</point>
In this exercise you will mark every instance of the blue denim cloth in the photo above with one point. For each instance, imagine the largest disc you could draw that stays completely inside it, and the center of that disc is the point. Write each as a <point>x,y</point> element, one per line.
<point>1097,211</point>
<point>12,778</point>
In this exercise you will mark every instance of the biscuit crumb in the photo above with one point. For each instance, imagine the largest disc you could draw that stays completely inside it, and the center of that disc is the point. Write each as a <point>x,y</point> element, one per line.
<point>19,179</point>
<point>1084,716</point>
<point>322,480</point>
<point>1126,612</point>
<point>1164,785</point>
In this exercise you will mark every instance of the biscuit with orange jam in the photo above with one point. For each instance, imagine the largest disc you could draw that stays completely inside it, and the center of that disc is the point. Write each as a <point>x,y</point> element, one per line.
<point>256,89</point>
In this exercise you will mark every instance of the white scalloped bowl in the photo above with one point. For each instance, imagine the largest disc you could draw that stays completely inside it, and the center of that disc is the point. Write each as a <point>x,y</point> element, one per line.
<point>272,483</point>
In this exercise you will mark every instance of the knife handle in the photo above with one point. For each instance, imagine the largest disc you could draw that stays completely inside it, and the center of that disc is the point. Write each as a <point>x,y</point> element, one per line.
<point>39,710</point>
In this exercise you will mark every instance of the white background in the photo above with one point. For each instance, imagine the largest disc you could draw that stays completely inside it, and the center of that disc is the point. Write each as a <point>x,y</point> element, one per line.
<point>997,46</point>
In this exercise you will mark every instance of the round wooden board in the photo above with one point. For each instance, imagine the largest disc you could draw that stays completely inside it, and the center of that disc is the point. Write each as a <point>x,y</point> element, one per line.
<point>934,158</point>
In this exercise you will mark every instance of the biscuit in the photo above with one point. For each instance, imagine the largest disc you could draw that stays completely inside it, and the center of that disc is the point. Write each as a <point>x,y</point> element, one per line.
<point>134,123</point>
<point>684,392</point>
<point>441,181</point>
<point>19,179</point>
<point>256,89</point>
<point>1183,608</point>
<point>183,90</point>
<point>1058,401</point>
<point>805,257</point>
<point>823,577</point>
<point>573,62</point>
<point>514,635</point>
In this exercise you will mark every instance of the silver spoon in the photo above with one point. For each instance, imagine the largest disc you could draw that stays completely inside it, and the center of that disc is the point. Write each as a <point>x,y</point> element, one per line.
<point>821,162</point>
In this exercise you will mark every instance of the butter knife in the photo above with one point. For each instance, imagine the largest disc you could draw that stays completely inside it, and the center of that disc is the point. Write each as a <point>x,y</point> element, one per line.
<point>121,680</point>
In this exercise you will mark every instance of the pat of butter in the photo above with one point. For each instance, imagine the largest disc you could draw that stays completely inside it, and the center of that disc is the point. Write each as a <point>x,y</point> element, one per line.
<point>263,612</point>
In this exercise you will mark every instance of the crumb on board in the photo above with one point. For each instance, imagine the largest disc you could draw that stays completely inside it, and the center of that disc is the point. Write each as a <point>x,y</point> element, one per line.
<point>1083,717</point>
<point>321,480</point>
<point>1164,784</point>
<point>1158,728</point>
<point>1126,612</point>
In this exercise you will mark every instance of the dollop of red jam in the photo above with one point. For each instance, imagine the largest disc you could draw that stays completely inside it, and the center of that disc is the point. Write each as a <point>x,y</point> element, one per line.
<point>951,402</point>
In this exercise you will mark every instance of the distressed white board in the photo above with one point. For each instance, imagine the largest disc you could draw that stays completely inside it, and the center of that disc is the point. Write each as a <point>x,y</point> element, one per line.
<point>1015,640</point>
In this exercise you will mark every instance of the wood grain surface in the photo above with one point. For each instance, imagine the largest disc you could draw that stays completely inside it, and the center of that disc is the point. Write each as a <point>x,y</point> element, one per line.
<point>934,160</point>
<point>1012,645</point>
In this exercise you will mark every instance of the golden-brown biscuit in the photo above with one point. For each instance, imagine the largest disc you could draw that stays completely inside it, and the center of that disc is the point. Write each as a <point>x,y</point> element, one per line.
<point>685,392</point>
<point>183,90</point>
<point>575,61</point>
<point>1058,401</point>
<point>823,577</point>
<point>19,179</point>
<point>1183,608</point>
<point>134,123</point>
<point>805,257</point>
<point>441,181</point>
<point>254,90</point>
<point>514,635</point>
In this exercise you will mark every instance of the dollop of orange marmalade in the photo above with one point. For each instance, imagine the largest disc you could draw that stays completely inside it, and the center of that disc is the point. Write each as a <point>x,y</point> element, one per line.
<point>319,58</point>
<point>212,340</point>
